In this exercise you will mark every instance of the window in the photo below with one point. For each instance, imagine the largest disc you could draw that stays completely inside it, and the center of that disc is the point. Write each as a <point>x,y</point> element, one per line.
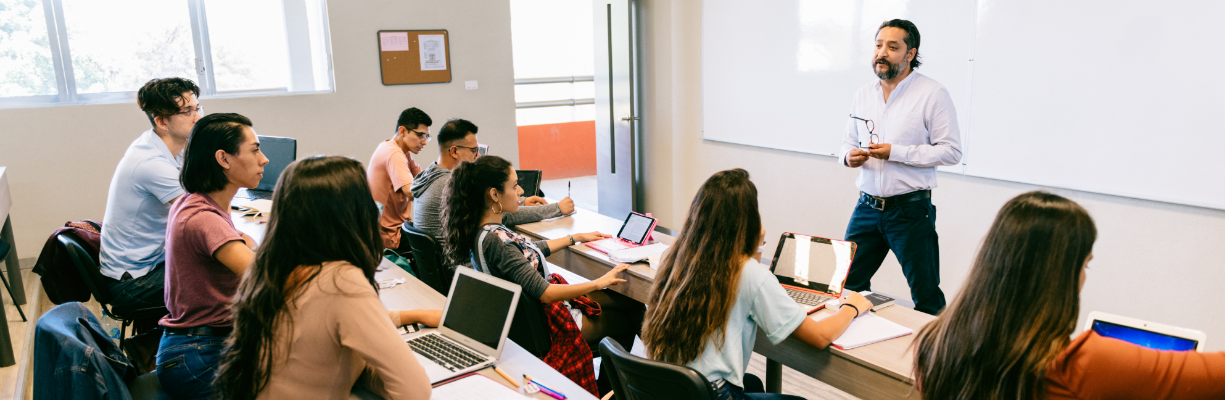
<point>88,51</point>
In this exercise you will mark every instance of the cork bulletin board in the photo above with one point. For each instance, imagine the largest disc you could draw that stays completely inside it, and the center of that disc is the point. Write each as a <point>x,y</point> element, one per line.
<point>414,56</point>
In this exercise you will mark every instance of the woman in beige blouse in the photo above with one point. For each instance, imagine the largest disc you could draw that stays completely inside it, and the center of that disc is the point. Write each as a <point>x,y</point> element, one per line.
<point>307,318</point>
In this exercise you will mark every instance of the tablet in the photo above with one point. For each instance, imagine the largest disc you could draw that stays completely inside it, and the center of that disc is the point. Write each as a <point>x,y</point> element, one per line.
<point>1144,333</point>
<point>637,228</point>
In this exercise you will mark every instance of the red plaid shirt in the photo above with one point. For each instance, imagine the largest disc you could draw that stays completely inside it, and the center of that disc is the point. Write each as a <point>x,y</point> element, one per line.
<point>569,354</point>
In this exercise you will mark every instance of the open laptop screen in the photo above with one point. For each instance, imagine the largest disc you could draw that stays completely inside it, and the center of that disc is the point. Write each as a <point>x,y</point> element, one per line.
<point>280,152</point>
<point>812,262</point>
<point>1152,340</point>
<point>478,310</point>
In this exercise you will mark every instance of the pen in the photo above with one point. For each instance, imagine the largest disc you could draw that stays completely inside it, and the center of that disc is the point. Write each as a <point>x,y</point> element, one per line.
<point>504,375</point>
<point>567,188</point>
<point>546,389</point>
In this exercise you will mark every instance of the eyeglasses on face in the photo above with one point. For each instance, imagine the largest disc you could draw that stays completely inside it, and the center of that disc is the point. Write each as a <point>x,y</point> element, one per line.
<point>199,110</point>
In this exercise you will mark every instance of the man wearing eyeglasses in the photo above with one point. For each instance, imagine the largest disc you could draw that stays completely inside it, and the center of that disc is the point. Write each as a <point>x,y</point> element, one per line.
<point>391,171</point>
<point>145,184</point>
<point>457,142</point>
<point>901,128</point>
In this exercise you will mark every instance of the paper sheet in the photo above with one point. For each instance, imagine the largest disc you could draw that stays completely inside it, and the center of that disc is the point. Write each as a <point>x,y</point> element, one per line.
<point>433,52</point>
<point>393,41</point>
<point>474,387</point>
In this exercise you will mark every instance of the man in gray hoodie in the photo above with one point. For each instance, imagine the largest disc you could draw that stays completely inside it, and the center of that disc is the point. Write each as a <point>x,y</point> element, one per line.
<point>457,142</point>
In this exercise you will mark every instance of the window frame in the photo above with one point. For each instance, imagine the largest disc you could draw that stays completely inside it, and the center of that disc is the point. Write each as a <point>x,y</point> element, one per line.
<point>301,72</point>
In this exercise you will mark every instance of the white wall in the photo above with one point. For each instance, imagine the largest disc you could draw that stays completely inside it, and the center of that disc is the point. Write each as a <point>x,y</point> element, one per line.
<point>61,159</point>
<point>1154,261</point>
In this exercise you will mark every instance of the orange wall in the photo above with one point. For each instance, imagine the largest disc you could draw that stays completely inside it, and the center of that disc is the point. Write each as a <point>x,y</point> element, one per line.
<point>563,150</point>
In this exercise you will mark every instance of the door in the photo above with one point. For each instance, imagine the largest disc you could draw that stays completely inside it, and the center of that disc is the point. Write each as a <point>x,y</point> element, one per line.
<point>617,107</point>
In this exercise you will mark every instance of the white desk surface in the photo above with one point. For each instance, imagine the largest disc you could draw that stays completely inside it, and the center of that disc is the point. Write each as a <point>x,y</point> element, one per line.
<point>6,198</point>
<point>415,294</point>
<point>858,371</point>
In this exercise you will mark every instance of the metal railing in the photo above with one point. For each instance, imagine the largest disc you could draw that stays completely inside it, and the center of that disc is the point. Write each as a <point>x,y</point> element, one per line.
<point>555,103</point>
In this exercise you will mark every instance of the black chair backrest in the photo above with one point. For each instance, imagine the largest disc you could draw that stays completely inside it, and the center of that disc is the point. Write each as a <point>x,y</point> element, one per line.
<point>90,272</point>
<point>530,328</point>
<point>428,259</point>
<point>636,378</point>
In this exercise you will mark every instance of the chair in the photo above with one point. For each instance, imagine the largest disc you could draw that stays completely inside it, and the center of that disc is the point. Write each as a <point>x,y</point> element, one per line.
<point>428,259</point>
<point>636,378</point>
<point>147,387</point>
<point>91,273</point>
<point>4,252</point>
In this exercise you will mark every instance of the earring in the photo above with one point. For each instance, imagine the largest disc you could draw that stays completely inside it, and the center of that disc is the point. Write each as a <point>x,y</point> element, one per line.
<point>499,211</point>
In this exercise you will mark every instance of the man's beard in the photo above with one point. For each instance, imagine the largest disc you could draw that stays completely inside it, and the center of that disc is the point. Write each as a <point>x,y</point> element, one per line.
<point>889,73</point>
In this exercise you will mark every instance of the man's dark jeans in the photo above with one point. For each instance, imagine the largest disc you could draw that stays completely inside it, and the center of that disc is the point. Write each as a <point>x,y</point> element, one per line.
<point>143,298</point>
<point>910,231</point>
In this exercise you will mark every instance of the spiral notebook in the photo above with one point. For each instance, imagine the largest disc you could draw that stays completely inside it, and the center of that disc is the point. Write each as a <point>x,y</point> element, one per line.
<point>868,329</point>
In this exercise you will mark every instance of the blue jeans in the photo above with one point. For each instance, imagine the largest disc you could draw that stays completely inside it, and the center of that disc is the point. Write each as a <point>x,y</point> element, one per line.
<point>751,382</point>
<point>186,365</point>
<point>910,231</point>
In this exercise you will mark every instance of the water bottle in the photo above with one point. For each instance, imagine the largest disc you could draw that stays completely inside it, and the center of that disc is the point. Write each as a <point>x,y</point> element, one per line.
<point>111,327</point>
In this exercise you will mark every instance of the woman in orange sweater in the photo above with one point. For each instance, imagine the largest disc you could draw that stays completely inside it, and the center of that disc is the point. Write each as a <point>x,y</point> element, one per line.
<point>1008,333</point>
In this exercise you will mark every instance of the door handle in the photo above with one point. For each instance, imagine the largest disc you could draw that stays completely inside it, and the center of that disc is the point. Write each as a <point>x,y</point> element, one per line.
<point>627,119</point>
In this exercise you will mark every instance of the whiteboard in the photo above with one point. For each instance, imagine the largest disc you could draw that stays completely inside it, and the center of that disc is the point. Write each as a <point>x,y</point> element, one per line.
<point>1113,97</point>
<point>781,74</point>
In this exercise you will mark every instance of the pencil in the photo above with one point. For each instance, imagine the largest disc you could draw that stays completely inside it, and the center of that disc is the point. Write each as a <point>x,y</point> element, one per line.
<point>504,375</point>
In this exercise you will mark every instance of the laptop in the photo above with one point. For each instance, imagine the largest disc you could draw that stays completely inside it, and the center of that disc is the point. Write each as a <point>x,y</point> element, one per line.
<point>1144,333</point>
<point>281,152</point>
<point>473,329</point>
<point>634,233</point>
<point>812,269</point>
<point>529,180</point>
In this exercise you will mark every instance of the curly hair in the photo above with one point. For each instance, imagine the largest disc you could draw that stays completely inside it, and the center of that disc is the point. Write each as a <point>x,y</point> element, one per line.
<point>463,203</point>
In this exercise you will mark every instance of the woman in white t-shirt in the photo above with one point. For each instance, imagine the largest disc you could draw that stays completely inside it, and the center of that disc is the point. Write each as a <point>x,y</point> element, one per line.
<point>710,295</point>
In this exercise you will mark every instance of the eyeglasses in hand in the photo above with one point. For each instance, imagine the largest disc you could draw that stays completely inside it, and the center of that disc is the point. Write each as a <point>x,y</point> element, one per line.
<point>872,137</point>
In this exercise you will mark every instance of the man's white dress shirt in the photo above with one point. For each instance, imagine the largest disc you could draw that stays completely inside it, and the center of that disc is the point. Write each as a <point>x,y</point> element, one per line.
<point>920,123</point>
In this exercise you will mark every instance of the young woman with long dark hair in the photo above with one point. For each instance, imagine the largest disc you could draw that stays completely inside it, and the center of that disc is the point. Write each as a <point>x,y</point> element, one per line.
<point>307,317</point>
<point>205,254</point>
<point>710,295</point>
<point>1008,333</point>
<point>479,193</point>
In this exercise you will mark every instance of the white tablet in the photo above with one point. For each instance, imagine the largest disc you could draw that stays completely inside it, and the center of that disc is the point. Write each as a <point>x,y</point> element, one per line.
<point>1144,333</point>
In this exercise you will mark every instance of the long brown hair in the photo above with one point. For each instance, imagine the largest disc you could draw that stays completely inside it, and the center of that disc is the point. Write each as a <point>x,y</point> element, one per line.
<point>696,284</point>
<point>464,203</point>
<point>322,211</point>
<point>1018,308</point>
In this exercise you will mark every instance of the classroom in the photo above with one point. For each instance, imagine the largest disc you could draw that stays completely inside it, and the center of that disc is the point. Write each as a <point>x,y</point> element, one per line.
<point>1048,134</point>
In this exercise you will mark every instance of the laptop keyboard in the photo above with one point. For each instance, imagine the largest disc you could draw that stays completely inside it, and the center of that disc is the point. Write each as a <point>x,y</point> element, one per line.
<point>807,298</point>
<point>259,194</point>
<point>444,352</point>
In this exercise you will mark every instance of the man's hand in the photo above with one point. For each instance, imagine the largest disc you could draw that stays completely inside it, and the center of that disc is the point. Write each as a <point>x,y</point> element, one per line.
<point>856,158</point>
<point>567,206</point>
<point>880,150</point>
<point>535,201</point>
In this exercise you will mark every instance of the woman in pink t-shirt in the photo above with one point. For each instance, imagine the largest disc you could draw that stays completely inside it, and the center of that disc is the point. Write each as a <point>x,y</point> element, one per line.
<point>205,255</point>
<point>307,317</point>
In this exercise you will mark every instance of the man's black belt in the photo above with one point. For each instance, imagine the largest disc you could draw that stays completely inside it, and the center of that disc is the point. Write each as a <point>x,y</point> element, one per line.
<point>199,331</point>
<point>880,203</point>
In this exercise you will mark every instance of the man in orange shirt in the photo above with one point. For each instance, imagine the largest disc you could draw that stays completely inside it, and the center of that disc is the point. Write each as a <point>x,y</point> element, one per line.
<point>391,171</point>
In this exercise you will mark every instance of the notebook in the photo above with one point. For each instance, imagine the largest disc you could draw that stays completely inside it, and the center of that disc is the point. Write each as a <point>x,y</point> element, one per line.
<point>812,269</point>
<point>473,329</point>
<point>474,387</point>
<point>867,329</point>
<point>634,233</point>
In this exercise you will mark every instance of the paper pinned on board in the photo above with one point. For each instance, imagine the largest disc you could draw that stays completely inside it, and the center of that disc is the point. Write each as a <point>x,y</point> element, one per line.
<point>802,248</point>
<point>393,41</point>
<point>433,49</point>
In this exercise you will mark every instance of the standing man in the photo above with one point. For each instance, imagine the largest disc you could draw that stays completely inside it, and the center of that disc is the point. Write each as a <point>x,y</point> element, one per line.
<point>145,184</point>
<point>901,128</point>
<point>391,171</point>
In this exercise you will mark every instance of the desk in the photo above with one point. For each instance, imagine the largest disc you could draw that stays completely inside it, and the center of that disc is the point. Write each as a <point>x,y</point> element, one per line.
<point>878,371</point>
<point>14,269</point>
<point>414,294</point>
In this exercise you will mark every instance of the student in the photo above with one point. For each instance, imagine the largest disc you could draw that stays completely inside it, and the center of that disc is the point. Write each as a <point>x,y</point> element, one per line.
<point>479,195</point>
<point>457,140</point>
<point>145,184</point>
<point>310,300</point>
<point>710,295</point>
<point>392,170</point>
<point>1008,334</point>
<point>205,254</point>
